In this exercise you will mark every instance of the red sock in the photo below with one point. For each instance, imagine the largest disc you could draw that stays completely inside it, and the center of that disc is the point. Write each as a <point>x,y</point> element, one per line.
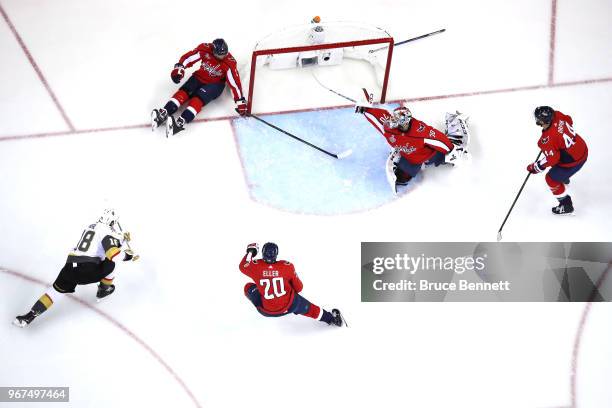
<point>557,188</point>
<point>179,98</point>
<point>314,312</point>
<point>194,107</point>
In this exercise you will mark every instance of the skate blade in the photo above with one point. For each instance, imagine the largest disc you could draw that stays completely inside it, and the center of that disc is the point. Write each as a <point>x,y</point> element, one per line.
<point>169,127</point>
<point>100,300</point>
<point>153,121</point>
<point>17,323</point>
<point>572,214</point>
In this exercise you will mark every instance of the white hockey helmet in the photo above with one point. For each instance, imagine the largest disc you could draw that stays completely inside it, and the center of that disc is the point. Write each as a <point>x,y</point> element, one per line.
<point>109,217</point>
<point>401,117</point>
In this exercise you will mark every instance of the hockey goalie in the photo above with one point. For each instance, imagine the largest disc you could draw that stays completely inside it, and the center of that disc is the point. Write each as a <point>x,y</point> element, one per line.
<point>417,145</point>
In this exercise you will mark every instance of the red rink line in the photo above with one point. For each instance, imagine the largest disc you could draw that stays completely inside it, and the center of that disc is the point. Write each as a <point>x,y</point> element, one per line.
<point>42,78</point>
<point>417,99</point>
<point>121,327</point>
<point>553,35</point>
<point>578,340</point>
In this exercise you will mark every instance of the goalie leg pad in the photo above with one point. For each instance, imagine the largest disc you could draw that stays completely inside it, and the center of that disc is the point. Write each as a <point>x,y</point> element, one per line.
<point>399,171</point>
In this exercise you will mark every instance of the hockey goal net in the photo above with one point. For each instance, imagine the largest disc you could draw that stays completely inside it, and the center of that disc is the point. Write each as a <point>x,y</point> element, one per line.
<point>331,47</point>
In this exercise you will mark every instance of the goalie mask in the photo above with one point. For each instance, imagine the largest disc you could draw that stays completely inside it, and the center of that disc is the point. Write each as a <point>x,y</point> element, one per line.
<point>109,217</point>
<point>401,118</point>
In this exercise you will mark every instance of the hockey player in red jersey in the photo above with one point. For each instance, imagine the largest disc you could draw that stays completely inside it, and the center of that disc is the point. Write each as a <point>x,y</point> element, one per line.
<point>276,291</point>
<point>565,152</point>
<point>90,261</point>
<point>217,66</point>
<point>414,142</point>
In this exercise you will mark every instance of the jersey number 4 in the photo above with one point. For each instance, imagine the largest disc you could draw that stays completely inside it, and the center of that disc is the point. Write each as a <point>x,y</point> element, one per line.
<point>569,138</point>
<point>277,285</point>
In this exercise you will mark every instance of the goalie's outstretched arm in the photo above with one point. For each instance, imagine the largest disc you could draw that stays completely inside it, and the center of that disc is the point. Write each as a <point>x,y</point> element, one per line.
<point>376,116</point>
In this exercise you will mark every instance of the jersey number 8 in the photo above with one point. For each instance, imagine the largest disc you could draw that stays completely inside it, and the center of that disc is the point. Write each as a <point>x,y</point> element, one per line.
<point>276,284</point>
<point>85,241</point>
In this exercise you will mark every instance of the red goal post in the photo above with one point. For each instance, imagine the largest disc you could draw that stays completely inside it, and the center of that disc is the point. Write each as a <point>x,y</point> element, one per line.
<point>386,42</point>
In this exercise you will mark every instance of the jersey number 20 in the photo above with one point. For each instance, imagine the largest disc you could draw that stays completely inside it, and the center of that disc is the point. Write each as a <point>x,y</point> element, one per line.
<point>276,284</point>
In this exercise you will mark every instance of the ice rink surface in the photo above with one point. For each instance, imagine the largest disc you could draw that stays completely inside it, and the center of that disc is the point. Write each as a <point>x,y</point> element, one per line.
<point>80,79</point>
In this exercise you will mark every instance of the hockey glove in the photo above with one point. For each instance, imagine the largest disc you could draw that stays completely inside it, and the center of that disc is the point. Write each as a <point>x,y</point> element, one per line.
<point>177,73</point>
<point>128,255</point>
<point>241,106</point>
<point>253,249</point>
<point>535,168</point>
<point>360,109</point>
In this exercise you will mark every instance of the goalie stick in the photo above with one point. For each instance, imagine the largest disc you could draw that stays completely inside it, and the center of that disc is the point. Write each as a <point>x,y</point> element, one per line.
<point>334,155</point>
<point>499,233</point>
<point>409,40</point>
<point>331,90</point>
<point>369,96</point>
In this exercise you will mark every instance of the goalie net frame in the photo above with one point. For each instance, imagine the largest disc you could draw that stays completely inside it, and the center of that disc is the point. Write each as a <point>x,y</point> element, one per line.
<point>383,41</point>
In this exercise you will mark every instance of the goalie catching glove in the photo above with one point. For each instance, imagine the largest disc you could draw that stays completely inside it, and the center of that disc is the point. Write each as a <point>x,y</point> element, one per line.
<point>177,73</point>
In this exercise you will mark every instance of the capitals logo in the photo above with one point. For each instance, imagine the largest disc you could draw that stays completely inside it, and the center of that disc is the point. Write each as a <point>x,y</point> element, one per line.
<point>213,71</point>
<point>407,149</point>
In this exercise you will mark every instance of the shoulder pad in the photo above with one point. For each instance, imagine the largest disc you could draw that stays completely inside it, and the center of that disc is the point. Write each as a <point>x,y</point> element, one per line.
<point>286,262</point>
<point>254,261</point>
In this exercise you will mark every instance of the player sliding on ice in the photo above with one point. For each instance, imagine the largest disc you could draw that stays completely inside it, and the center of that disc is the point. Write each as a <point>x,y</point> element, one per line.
<point>276,291</point>
<point>565,152</point>
<point>217,66</point>
<point>415,143</point>
<point>91,261</point>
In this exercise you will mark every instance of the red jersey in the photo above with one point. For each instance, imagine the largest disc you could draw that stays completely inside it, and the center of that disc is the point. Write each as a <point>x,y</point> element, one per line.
<point>277,283</point>
<point>560,144</point>
<point>418,144</point>
<point>213,70</point>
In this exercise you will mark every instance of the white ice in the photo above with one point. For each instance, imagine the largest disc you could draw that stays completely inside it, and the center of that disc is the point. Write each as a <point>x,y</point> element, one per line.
<point>189,208</point>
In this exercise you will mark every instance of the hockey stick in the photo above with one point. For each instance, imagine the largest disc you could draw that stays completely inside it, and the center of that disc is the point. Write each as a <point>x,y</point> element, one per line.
<point>409,40</point>
<point>127,244</point>
<point>337,156</point>
<point>331,90</point>
<point>499,233</point>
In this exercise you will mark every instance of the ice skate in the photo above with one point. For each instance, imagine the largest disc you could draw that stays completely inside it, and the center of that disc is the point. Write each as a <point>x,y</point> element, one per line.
<point>158,117</point>
<point>565,206</point>
<point>24,320</point>
<point>338,319</point>
<point>104,291</point>
<point>174,126</point>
